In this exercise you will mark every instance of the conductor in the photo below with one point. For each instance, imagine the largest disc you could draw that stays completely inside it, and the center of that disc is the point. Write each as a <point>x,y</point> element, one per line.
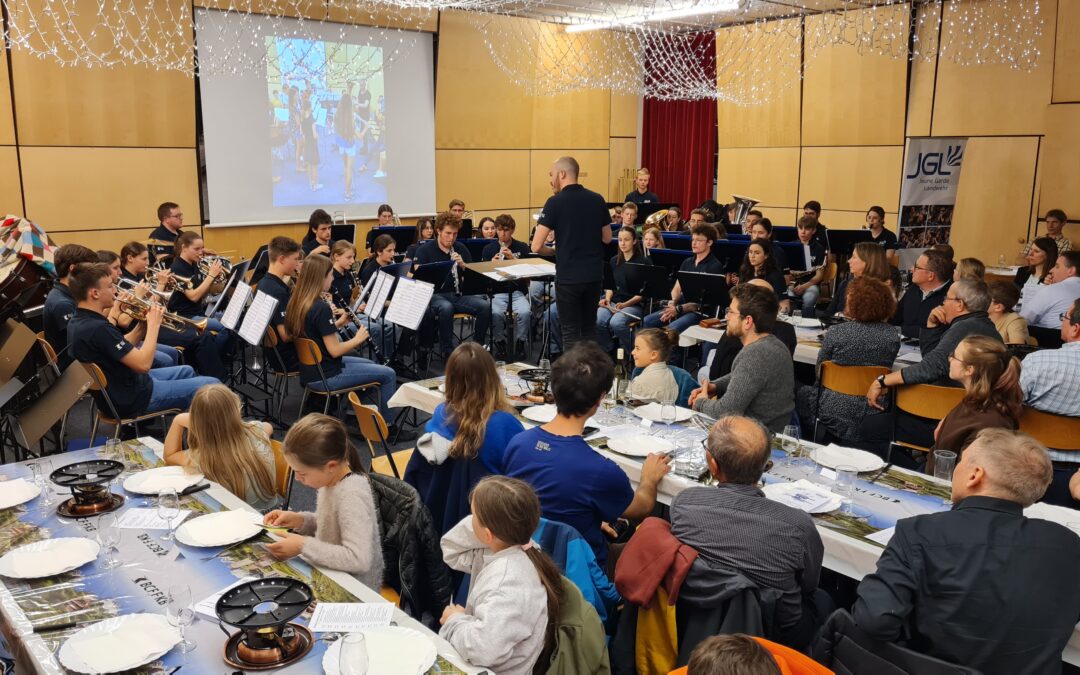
<point>580,220</point>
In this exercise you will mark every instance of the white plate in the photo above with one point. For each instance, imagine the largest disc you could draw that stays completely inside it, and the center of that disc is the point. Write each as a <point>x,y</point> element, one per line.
<point>49,557</point>
<point>17,491</point>
<point>640,445</point>
<point>651,412</point>
<point>217,529</point>
<point>165,477</point>
<point>152,627</point>
<point>388,649</point>
<point>773,490</point>
<point>834,455</point>
<point>541,414</point>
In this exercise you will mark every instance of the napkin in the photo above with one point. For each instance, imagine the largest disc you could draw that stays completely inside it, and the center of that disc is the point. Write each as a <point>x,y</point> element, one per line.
<point>131,643</point>
<point>802,495</point>
<point>166,478</point>
<point>16,491</point>
<point>407,652</point>
<point>52,559</point>
<point>218,529</point>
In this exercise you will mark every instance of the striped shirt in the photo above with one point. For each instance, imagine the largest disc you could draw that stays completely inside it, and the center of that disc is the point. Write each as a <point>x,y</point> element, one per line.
<point>1050,379</point>
<point>735,527</point>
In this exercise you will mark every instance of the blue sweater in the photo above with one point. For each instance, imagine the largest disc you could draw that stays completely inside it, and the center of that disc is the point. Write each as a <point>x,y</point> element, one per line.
<point>501,427</point>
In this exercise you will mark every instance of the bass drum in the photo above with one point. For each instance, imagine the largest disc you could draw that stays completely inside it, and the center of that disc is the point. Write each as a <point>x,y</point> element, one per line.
<point>19,277</point>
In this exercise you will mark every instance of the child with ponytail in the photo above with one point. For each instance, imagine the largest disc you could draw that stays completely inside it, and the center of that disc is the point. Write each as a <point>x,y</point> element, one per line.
<point>509,622</point>
<point>343,533</point>
<point>652,347</point>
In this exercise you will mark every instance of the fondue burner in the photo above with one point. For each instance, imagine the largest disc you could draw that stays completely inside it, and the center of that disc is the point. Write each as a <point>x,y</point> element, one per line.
<point>89,483</point>
<point>262,609</point>
<point>538,379</point>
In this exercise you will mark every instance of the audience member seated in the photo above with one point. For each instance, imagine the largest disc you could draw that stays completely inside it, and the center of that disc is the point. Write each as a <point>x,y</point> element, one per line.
<point>133,385</point>
<point>866,340</point>
<point>980,585</point>
<point>1012,327</point>
<point>465,438</point>
<point>508,248</point>
<point>946,250</point>
<point>739,654</point>
<point>60,304</point>
<point>721,359</point>
<point>759,263</point>
<point>225,448</point>
<point>814,258</point>
<point>969,268</point>
<point>1038,261</point>
<point>679,314</point>
<point>656,381</point>
<point>761,382</point>
<point>1055,223</point>
<point>991,378</point>
<point>931,277</point>
<point>1050,380</point>
<point>735,528</point>
<point>600,491</point>
<point>868,259</point>
<point>1044,310</point>
<point>622,304</point>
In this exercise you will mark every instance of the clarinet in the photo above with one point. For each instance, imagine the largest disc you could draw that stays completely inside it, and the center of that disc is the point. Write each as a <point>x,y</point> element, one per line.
<point>454,275</point>
<point>355,318</point>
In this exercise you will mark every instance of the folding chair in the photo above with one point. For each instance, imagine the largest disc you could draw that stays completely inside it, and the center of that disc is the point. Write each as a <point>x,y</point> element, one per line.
<point>923,400</point>
<point>276,367</point>
<point>283,474</point>
<point>373,429</point>
<point>100,385</point>
<point>310,355</point>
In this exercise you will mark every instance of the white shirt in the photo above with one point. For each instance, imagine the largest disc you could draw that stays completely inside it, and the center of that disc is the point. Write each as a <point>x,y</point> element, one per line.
<point>1044,308</point>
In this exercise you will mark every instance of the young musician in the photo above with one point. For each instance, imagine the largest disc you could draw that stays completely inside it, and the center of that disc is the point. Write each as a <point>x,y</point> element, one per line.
<point>622,304</point>
<point>385,334</point>
<point>487,228</point>
<point>317,239</point>
<point>386,215</point>
<point>190,302</point>
<point>679,314</point>
<point>425,232</point>
<point>60,304</point>
<point>133,385</point>
<point>345,288</point>
<point>507,248</point>
<point>308,315</point>
<point>171,219</point>
<point>284,256</point>
<point>135,261</point>
<point>166,356</point>
<point>814,258</point>
<point>448,299</point>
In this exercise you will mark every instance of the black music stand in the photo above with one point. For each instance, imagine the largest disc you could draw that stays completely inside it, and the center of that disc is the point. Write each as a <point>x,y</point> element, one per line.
<point>730,254</point>
<point>793,253</point>
<point>404,235</point>
<point>239,270</point>
<point>16,341</point>
<point>476,247</point>
<point>707,290</point>
<point>785,233</point>
<point>649,281</point>
<point>52,406</point>
<point>466,230</point>
<point>260,264</point>
<point>646,210</point>
<point>676,241</point>
<point>842,242</point>
<point>435,273</point>
<point>346,232</point>
<point>668,259</point>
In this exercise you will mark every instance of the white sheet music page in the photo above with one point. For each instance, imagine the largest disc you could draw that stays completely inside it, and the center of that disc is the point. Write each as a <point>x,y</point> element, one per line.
<point>364,293</point>
<point>258,318</point>
<point>236,306</point>
<point>379,294</point>
<point>411,301</point>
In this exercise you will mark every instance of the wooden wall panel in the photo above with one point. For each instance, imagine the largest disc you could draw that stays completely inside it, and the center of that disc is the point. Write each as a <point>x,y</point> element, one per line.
<point>920,105</point>
<point>853,220</point>
<point>577,120</point>
<point>594,172</point>
<point>522,220</point>
<point>7,125</point>
<point>624,115</point>
<point>1067,53</point>
<point>107,240</point>
<point>774,123</point>
<point>778,216</point>
<point>770,175</point>
<point>107,188</point>
<point>852,178</point>
<point>622,157</point>
<point>993,204</point>
<point>1060,160</point>
<point>994,99</point>
<point>10,183</point>
<point>246,240</point>
<point>485,179</point>
<point>467,115</point>
<point>851,98</point>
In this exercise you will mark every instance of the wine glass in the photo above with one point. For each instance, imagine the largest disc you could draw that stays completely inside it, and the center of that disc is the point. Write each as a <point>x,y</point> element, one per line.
<point>667,411</point>
<point>168,508</point>
<point>114,450</point>
<point>108,535</point>
<point>181,613</point>
<point>545,364</point>
<point>845,487</point>
<point>353,658</point>
<point>42,478</point>
<point>791,441</point>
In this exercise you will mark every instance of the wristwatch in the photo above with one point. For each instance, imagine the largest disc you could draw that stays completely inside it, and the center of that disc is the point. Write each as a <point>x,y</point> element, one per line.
<point>881,381</point>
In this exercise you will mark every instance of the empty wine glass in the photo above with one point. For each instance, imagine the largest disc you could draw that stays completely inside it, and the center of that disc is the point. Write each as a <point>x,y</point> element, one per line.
<point>168,508</point>
<point>845,487</point>
<point>545,364</point>
<point>796,316</point>
<point>181,613</point>
<point>353,658</point>
<point>667,411</point>
<point>114,450</point>
<point>944,463</point>
<point>790,441</point>
<point>108,535</point>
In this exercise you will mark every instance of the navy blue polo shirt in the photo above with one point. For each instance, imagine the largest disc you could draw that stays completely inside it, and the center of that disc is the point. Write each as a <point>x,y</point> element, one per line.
<point>93,339</point>
<point>273,286</point>
<point>179,303</point>
<point>59,308</point>
<point>319,323</point>
<point>578,217</point>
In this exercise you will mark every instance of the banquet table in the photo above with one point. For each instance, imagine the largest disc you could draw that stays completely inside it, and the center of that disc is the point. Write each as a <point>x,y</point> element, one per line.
<point>149,567</point>
<point>881,497</point>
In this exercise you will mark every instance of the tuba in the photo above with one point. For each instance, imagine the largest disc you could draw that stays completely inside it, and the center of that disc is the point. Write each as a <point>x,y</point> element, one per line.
<point>138,309</point>
<point>658,219</point>
<point>743,205</point>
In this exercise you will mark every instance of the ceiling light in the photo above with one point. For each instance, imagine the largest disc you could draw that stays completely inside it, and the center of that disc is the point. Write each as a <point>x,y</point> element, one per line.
<point>664,15</point>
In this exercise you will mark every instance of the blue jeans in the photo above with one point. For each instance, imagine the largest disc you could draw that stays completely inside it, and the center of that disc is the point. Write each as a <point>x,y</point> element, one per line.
<point>384,335</point>
<point>175,387</point>
<point>356,370</point>
<point>615,324</point>
<point>521,322</point>
<point>678,324</point>
<point>165,356</point>
<point>225,340</point>
<point>809,301</point>
<point>443,307</point>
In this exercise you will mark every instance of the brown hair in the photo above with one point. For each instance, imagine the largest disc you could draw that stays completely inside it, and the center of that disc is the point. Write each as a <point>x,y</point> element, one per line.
<point>735,654</point>
<point>69,255</point>
<point>420,223</point>
<point>222,446</point>
<point>381,243</point>
<point>308,289</point>
<point>619,258</point>
<point>473,392</point>
<point>107,257</point>
<point>1050,248</point>
<point>455,202</point>
<point>185,240</point>
<point>317,439</point>
<point>447,219</point>
<point>659,339</point>
<point>132,249</point>
<point>806,223</point>
<point>505,221</point>
<point>877,263</point>
<point>629,205</point>
<point>163,210</point>
<point>995,380</point>
<point>707,230</point>
<point>86,276</point>
<point>1004,292</point>
<point>511,510</point>
<point>940,265</point>
<point>341,247</point>
<point>869,300</point>
<point>971,268</point>
<point>760,304</point>
<point>282,246</point>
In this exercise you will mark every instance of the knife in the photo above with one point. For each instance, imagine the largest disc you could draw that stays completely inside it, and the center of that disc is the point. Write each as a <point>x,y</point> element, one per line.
<point>194,488</point>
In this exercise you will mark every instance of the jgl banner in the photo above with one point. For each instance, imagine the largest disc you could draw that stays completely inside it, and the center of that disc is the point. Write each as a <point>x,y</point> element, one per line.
<point>931,178</point>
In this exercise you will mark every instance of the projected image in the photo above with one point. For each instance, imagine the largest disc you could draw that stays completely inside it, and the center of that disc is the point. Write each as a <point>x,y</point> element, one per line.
<point>327,103</point>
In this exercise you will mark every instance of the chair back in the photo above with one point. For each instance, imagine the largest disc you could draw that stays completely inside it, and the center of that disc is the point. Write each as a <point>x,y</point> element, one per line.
<point>1047,338</point>
<point>282,472</point>
<point>927,400</point>
<point>1054,431</point>
<point>46,347</point>
<point>270,337</point>
<point>307,351</point>
<point>686,383</point>
<point>850,380</point>
<point>372,425</point>
<point>99,382</point>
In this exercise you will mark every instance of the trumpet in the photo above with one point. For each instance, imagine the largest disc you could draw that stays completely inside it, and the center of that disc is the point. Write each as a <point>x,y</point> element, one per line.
<point>173,284</point>
<point>127,285</point>
<point>139,308</point>
<point>207,261</point>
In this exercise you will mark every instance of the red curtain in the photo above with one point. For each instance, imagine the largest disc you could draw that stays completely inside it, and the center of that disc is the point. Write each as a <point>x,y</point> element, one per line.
<point>678,139</point>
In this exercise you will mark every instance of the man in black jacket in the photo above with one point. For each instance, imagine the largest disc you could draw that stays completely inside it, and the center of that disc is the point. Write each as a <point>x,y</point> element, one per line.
<point>930,280</point>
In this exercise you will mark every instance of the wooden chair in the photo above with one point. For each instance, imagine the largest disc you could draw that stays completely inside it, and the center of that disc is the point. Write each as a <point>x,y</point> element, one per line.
<point>1058,432</point>
<point>310,355</point>
<point>923,400</point>
<point>374,430</point>
<point>100,385</point>
<point>49,352</point>
<point>850,380</point>
<point>283,474</point>
<point>277,368</point>
<point>828,284</point>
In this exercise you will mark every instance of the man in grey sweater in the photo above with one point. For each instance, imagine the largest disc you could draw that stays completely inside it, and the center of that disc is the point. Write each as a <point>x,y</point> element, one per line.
<point>761,383</point>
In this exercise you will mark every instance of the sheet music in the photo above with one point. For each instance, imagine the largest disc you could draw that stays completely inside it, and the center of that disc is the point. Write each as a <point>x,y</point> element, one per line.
<point>236,306</point>
<point>258,318</point>
<point>380,294</point>
<point>364,293</point>
<point>410,303</point>
<point>524,270</point>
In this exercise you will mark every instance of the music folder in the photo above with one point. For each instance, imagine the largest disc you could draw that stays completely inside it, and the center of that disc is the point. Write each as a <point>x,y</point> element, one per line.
<point>16,341</point>
<point>436,273</point>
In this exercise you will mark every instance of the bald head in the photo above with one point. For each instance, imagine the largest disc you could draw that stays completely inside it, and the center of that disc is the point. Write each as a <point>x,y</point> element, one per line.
<point>760,282</point>
<point>738,447</point>
<point>569,166</point>
<point>1005,464</point>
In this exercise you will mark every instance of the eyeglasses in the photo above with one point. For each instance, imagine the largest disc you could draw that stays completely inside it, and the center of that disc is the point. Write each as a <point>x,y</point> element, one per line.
<point>916,267</point>
<point>729,311</point>
<point>953,299</point>
<point>1066,316</point>
<point>956,358</point>
<point>178,216</point>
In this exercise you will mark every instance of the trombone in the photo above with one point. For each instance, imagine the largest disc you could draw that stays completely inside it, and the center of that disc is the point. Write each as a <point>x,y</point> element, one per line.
<point>138,308</point>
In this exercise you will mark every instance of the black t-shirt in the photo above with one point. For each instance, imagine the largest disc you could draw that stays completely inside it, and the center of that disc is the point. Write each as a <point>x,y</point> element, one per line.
<point>622,292</point>
<point>578,217</point>
<point>179,303</point>
<point>410,253</point>
<point>780,256</point>
<point>94,340</point>
<point>162,233</point>
<point>128,275</point>
<point>341,287</point>
<point>648,197</point>
<point>710,265</point>
<point>318,323</point>
<point>887,240</point>
<point>59,308</point>
<point>821,236</point>
<point>310,245</point>
<point>276,288</point>
<point>368,268</point>
<point>434,253</point>
<point>518,248</point>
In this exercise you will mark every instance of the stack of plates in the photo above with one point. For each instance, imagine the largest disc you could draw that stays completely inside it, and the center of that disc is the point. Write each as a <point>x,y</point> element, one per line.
<point>17,491</point>
<point>118,644</point>
<point>155,481</point>
<point>218,529</point>
<point>641,445</point>
<point>652,412</point>
<point>48,557</point>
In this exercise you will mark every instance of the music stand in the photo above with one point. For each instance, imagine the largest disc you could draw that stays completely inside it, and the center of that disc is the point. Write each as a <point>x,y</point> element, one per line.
<point>676,242</point>
<point>793,252</point>
<point>650,281</point>
<point>16,341</point>
<point>466,230</point>
<point>260,264</point>
<point>476,247</point>
<point>436,273</point>
<point>784,233</point>
<point>477,283</point>
<point>238,271</point>
<point>669,259</point>
<point>346,232</point>
<point>707,290</point>
<point>31,425</point>
<point>842,242</point>
<point>404,235</point>
<point>730,254</point>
